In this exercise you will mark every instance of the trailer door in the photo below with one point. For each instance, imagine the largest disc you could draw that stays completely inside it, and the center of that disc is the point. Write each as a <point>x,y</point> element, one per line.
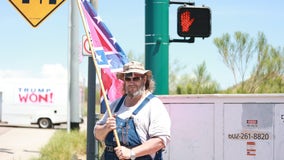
<point>192,131</point>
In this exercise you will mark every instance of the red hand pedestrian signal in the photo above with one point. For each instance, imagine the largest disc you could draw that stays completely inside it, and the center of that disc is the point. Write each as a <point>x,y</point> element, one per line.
<point>194,21</point>
<point>186,21</point>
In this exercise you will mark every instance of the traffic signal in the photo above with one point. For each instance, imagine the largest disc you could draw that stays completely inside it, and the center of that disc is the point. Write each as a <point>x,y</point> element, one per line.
<point>193,21</point>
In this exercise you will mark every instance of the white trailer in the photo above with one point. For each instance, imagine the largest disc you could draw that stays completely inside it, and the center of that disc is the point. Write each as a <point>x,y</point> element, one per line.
<point>33,101</point>
<point>226,127</point>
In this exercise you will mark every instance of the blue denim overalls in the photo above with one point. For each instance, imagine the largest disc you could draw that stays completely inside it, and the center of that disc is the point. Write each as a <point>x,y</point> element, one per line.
<point>127,134</point>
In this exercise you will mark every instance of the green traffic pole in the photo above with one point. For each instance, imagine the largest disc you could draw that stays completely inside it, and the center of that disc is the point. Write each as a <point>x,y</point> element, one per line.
<point>157,42</point>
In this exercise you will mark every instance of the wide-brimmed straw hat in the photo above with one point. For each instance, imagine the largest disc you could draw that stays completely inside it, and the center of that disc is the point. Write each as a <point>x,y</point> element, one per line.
<point>133,67</point>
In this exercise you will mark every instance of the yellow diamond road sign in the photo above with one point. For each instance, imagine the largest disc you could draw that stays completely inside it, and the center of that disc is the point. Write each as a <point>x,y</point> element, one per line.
<point>35,11</point>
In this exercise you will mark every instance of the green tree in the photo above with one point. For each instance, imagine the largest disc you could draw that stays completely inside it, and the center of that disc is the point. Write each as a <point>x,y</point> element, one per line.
<point>199,83</point>
<point>267,67</point>
<point>174,71</point>
<point>204,82</point>
<point>236,54</point>
<point>267,75</point>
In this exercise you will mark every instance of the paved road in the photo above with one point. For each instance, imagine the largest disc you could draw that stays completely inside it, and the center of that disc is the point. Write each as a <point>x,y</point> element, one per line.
<point>24,143</point>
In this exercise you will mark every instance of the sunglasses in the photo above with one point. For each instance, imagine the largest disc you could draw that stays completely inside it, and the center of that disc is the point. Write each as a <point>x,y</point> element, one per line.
<point>134,79</point>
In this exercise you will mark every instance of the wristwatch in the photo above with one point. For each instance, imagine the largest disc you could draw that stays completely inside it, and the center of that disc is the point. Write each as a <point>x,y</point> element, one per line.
<point>132,155</point>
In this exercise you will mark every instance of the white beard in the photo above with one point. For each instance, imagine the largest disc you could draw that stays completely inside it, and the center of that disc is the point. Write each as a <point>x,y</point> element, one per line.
<point>137,93</point>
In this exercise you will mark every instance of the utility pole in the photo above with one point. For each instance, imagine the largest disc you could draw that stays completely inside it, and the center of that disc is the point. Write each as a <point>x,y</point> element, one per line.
<point>157,42</point>
<point>92,143</point>
<point>74,118</point>
<point>92,150</point>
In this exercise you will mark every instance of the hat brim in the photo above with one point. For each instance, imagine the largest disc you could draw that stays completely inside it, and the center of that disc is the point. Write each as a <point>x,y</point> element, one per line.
<point>120,75</point>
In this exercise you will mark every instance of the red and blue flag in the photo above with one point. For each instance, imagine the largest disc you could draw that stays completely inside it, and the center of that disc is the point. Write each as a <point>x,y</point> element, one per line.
<point>109,55</point>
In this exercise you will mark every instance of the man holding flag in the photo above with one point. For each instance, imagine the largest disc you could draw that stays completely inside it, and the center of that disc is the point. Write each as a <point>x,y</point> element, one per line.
<point>140,118</point>
<point>136,125</point>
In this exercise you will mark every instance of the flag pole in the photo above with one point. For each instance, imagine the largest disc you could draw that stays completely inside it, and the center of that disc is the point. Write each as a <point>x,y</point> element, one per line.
<point>97,70</point>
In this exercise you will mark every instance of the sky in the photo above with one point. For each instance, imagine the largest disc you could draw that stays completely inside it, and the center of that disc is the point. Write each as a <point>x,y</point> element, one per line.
<point>43,51</point>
